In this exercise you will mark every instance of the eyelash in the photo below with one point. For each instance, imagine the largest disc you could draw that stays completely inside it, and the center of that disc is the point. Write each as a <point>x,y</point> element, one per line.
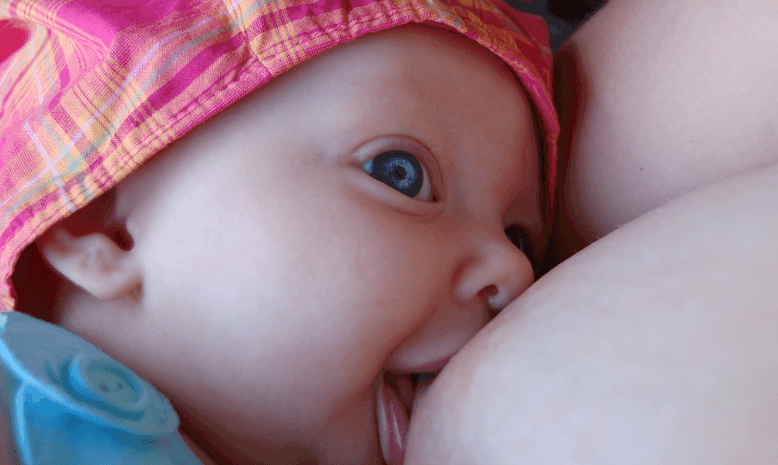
<point>392,168</point>
<point>521,239</point>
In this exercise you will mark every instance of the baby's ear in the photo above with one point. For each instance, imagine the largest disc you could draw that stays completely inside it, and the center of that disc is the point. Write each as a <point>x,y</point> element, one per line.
<point>96,261</point>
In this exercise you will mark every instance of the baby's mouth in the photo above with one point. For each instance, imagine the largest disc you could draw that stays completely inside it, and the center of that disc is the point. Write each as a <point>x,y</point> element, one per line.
<point>395,394</point>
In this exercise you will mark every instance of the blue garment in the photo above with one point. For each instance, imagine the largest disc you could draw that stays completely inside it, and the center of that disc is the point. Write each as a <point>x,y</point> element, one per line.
<point>67,402</point>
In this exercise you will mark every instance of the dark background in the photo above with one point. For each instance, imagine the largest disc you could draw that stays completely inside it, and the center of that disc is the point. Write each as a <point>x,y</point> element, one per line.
<point>563,16</point>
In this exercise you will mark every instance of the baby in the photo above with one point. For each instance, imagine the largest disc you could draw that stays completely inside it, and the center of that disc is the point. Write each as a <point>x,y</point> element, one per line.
<point>292,259</point>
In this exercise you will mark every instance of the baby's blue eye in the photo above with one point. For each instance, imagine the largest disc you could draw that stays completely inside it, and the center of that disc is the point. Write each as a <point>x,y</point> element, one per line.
<point>397,169</point>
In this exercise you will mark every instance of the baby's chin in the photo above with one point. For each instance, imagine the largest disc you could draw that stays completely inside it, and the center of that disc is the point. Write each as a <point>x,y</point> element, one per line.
<point>369,428</point>
<point>349,450</point>
<point>350,436</point>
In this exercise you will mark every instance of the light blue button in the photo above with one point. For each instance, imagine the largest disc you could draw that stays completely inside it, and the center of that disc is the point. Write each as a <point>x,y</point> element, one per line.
<point>107,384</point>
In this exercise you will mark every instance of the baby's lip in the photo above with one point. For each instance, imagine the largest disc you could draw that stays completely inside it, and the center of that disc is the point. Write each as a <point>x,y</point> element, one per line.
<point>396,394</point>
<point>392,416</point>
<point>397,391</point>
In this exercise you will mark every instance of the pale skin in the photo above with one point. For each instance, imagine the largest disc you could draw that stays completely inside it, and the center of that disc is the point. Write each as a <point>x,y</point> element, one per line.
<point>263,281</point>
<point>656,344</point>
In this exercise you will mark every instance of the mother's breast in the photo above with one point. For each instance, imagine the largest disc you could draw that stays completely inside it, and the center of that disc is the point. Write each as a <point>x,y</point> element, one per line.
<point>659,98</point>
<point>654,345</point>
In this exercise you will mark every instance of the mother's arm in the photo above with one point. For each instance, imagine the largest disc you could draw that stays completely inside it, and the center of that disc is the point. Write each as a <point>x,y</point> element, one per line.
<point>655,345</point>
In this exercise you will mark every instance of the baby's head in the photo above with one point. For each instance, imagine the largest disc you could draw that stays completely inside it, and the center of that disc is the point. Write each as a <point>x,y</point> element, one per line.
<point>278,271</point>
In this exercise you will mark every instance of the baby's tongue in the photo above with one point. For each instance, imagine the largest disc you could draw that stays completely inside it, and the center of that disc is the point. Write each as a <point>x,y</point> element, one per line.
<point>392,423</point>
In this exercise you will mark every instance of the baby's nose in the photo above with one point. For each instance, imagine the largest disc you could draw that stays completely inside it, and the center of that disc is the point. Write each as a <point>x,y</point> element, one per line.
<point>495,273</point>
<point>489,274</point>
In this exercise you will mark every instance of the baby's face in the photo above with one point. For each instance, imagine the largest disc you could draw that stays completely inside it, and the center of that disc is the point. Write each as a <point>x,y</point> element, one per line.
<point>282,280</point>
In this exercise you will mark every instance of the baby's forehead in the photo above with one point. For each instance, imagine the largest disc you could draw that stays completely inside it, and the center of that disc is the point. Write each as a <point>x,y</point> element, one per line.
<point>414,74</point>
<point>410,65</point>
<point>393,56</point>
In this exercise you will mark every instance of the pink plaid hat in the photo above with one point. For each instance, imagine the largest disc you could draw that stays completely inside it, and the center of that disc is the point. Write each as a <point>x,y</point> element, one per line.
<point>100,86</point>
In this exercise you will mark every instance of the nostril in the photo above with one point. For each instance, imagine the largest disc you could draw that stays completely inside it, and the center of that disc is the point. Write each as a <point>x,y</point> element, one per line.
<point>488,292</point>
<point>491,296</point>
